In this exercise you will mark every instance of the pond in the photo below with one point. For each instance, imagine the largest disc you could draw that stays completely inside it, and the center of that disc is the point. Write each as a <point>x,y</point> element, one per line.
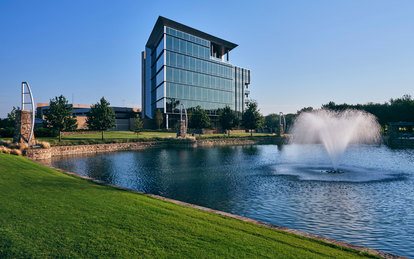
<point>369,202</point>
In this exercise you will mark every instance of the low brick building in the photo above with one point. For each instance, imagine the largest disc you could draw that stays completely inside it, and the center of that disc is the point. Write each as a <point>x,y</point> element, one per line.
<point>124,116</point>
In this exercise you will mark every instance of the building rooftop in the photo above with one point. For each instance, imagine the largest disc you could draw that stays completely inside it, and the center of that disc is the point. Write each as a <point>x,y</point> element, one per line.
<point>162,21</point>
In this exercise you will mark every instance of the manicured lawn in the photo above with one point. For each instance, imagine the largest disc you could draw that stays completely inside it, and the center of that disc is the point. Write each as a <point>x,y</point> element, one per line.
<point>45,213</point>
<point>110,136</point>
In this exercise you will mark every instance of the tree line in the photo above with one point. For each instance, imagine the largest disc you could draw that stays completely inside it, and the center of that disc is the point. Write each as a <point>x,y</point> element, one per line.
<point>395,110</point>
<point>59,118</point>
<point>198,118</point>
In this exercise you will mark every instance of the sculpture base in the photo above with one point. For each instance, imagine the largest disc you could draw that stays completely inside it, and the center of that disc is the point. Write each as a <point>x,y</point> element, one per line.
<point>23,128</point>
<point>181,129</point>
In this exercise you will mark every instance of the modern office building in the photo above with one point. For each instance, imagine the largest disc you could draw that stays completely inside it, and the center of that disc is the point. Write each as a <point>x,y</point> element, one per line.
<point>182,65</point>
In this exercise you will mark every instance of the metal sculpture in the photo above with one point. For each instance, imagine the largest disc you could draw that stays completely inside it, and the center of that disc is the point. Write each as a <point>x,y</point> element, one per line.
<point>27,91</point>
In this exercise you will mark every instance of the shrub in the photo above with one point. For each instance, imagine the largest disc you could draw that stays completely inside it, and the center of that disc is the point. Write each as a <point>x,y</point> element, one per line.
<point>4,150</point>
<point>23,146</point>
<point>5,143</point>
<point>46,132</point>
<point>43,144</point>
<point>7,132</point>
<point>16,152</point>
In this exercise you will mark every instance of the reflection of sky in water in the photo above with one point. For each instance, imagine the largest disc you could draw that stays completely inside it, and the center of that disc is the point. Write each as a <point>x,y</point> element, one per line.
<point>370,204</point>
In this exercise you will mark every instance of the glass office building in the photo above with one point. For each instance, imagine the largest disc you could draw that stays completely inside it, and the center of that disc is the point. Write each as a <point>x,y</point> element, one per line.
<point>181,65</point>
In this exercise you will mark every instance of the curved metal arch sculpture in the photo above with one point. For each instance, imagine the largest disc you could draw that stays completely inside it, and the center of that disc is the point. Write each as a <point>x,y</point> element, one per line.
<point>26,86</point>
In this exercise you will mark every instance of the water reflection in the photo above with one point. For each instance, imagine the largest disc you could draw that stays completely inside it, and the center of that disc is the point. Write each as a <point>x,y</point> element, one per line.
<point>371,205</point>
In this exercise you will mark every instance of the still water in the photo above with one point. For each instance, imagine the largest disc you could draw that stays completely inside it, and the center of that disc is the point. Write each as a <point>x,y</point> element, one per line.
<point>369,203</point>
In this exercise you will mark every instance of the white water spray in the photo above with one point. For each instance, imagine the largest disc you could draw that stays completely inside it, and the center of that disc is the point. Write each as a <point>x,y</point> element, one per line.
<point>335,130</point>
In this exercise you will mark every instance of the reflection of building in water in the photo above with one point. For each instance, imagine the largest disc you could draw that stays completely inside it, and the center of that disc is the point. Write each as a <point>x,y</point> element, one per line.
<point>182,65</point>
<point>124,116</point>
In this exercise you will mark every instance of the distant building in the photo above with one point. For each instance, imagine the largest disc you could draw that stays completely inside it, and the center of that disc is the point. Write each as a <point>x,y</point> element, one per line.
<point>123,115</point>
<point>182,65</point>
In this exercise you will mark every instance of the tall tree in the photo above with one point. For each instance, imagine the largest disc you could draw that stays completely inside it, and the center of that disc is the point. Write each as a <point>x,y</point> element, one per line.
<point>199,119</point>
<point>252,119</point>
<point>228,119</point>
<point>138,124</point>
<point>12,116</point>
<point>158,118</point>
<point>59,115</point>
<point>272,121</point>
<point>101,117</point>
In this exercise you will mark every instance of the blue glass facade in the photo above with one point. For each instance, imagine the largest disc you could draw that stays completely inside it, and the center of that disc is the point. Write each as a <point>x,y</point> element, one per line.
<point>182,68</point>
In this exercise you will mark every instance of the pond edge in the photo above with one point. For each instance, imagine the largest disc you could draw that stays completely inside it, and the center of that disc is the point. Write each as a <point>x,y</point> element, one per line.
<point>241,218</point>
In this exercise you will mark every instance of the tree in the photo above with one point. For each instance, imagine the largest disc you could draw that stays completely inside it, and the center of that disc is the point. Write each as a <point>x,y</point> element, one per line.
<point>59,115</point>
<point>101,116</point>
<point>12,116</point>
<point>158,118</point>
<point>228,119</point>
<point>199,119</point>
<point>272,121</point>
<point>138,124</point>
<point>252,119</point>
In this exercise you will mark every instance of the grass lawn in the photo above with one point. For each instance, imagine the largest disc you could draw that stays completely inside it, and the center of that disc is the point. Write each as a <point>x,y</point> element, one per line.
<point>46,213</point>
<point>110,136</point>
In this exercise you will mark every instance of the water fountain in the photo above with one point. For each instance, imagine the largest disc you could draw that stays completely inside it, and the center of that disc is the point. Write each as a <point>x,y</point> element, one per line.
<point>335,130</point>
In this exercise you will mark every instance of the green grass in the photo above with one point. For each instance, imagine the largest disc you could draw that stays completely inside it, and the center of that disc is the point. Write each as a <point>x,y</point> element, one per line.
<point>110,137</point>
<point>46,213</point>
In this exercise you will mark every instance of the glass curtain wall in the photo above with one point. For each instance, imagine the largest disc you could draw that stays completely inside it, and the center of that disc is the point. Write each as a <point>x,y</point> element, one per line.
<point>183,72</point>
<point>192,77</point>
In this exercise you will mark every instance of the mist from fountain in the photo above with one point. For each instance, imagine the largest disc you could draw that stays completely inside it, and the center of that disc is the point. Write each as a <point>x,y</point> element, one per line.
<point>335,130</point>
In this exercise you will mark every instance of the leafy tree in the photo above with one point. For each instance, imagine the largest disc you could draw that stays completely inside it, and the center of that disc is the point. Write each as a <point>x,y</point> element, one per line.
<point>305,109</point>
<point>138,124</point>
<point>272,121</point>
<point>12,116</point>
<point>228,119</point>
<point>252,119</point>
<point>199,119</point>
<point>159,118</point>
<point>59,115</point>
<point>101,116</point>
<point>9,122</point>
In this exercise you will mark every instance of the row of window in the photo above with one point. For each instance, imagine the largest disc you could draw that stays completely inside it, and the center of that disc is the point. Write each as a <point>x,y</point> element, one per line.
<point>197,93</point>
<point>195,64</point>
<point>158,50</point>
<point>187,36</point>
<point>193,78</point>
<point>158,65</point>
<point>242,73</point>
<point>158,79</point>
<point>173,105</point>
<point>187,47</point>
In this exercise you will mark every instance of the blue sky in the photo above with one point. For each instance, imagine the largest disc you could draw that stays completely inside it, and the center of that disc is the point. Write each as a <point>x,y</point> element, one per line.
<point>301,53</point>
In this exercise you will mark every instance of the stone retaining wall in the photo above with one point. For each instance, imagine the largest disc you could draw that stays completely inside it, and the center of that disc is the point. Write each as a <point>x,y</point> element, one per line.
<point>39,153</point>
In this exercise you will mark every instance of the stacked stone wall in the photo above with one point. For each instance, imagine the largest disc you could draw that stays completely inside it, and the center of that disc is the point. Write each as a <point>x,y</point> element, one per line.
<point>39,153</point>
<point>23,128</point>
